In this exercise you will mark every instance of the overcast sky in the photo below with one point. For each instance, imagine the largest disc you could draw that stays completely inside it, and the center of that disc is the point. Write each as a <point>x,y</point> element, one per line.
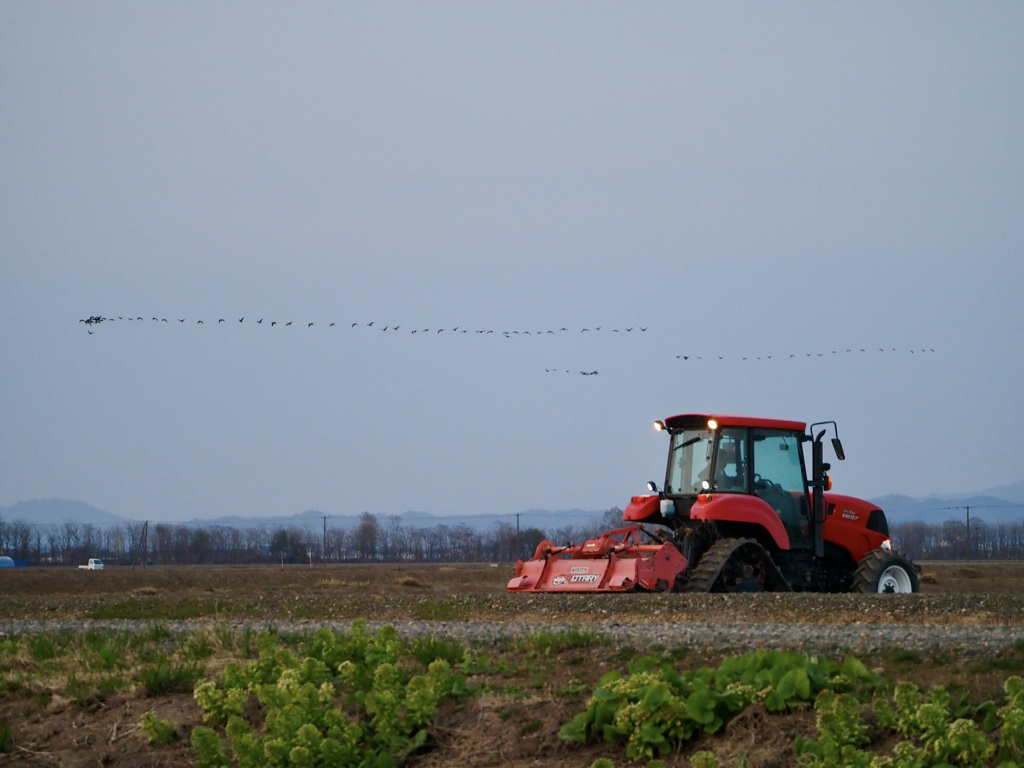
<point>739,179</point>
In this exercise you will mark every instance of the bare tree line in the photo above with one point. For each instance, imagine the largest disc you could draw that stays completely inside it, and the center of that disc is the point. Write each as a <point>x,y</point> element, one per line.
<point>954,540</point>
<point>389,539</point>
<point>373,538</point>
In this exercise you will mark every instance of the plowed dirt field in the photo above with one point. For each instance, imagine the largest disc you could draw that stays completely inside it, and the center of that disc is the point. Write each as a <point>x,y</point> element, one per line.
<point>516,722</point>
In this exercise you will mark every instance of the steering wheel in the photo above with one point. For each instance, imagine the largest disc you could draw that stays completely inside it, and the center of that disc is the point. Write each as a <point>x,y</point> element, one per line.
<point>763,484</point>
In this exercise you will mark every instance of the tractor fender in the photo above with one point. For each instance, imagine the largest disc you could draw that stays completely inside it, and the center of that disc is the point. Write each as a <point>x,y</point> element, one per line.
<point>644,509</point>
<point>741,508</point>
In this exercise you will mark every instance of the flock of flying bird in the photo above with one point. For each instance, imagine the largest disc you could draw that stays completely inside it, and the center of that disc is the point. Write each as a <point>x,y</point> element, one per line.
<point>810,354</point>
<point>96,320</point>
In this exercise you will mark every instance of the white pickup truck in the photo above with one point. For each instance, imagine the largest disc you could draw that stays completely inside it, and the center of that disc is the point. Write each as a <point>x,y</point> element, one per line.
<point>95,564</point>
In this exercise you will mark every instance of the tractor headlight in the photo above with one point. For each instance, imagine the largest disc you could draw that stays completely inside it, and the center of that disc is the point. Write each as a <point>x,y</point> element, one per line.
<point>712,425</point>
<point>659,425</point>
<point>886,544</point>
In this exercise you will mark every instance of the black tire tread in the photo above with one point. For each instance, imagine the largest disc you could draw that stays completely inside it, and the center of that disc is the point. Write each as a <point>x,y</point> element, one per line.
<point>870,568</point>
<point>704,578</point>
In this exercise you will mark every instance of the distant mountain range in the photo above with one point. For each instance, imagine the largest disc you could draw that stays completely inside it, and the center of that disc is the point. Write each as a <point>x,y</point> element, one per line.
<point>992,509</point>
<point>56,511</point>
<point>1003,504</point>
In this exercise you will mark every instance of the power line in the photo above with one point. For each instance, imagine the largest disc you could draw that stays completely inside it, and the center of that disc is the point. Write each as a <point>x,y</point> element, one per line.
<point>1007,505</point>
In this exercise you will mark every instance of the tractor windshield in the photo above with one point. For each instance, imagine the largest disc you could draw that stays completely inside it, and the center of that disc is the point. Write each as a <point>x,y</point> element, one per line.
<point>689,455</point>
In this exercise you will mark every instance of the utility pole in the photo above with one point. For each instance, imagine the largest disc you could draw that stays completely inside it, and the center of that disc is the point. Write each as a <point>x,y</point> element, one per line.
<point>968,533</point>
<point>519,544</point>
<point>323,555</point>
<point>140,554</point>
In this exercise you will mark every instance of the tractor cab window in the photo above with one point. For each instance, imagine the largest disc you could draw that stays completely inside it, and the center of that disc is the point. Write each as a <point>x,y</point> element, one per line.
<point>731,461</point>
<point>688,458</point>
<point>779,478</point>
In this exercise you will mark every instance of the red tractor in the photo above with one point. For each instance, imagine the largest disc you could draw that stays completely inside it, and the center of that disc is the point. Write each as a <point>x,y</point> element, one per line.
<point>738,513</point>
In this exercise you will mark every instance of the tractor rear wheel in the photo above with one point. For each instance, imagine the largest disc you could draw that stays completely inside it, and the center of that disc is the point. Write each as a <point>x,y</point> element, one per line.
<point>736,565</point>
<point>885,572</point>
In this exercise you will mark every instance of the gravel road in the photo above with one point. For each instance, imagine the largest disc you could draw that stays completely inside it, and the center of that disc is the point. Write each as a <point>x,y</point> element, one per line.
<point>975,626</point>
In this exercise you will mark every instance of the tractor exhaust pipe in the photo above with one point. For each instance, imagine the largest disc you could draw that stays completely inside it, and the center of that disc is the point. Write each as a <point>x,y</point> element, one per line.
<point>818,485</point>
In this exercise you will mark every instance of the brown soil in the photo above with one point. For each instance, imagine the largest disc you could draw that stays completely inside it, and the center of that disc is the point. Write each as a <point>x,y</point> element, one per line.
<point>492,729</point>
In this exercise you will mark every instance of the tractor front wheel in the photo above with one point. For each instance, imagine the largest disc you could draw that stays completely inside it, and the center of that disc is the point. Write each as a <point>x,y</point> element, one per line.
<point>885,572</point>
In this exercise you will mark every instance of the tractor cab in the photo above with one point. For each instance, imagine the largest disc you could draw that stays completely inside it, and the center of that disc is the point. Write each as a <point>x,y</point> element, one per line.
<point>712,456</point>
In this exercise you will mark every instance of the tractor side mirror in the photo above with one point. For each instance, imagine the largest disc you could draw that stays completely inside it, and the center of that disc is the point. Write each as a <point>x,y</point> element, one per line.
<point>837,446</point>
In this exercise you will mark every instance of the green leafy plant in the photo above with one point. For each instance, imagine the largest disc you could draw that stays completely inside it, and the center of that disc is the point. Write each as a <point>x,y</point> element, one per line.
<point>1011,731</point>
<point>841,733</point>
<point>209,748</point>
<point>935,734</point>
<point>339,699</point>
<point>704,759</point>
<point>655,708</point>
<point>159,731</point>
